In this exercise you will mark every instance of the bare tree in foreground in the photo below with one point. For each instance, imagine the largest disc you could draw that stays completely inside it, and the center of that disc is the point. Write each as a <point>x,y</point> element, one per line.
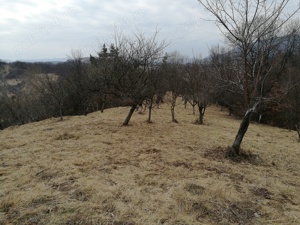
<point>256,30</point>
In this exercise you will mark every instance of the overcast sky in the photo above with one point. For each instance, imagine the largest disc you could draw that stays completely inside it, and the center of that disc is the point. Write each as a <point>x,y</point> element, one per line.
<point>34,29</point>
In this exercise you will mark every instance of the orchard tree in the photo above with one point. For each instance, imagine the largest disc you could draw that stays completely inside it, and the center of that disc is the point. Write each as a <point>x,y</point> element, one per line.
<point>138,56</point>
<point>157,89</point>
<point>200,88</point>
<point>133,60</point>
<point>256,31</point>
<point>173,73</point>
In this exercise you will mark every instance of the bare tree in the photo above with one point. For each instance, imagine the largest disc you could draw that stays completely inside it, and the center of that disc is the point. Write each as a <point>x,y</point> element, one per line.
<point>78,84</point>
<point>173,73</point>
<point>199,86</point>
<point>256,31</point>
<point>51,87</point>
<point>101,74</point>
<point>133,60</point>
<point>156,90</point>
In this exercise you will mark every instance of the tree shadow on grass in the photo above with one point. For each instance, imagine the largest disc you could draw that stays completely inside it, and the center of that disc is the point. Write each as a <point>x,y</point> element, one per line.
<point>221,154</point>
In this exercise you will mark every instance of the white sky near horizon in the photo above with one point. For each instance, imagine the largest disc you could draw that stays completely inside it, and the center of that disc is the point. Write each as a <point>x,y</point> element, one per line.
<point>33,29</point>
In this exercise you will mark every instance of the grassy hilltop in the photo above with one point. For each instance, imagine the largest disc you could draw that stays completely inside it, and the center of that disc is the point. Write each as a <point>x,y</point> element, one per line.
<point>91,170</point>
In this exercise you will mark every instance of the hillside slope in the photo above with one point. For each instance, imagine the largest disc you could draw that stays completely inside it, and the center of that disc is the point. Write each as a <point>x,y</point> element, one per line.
<point>91,170</point>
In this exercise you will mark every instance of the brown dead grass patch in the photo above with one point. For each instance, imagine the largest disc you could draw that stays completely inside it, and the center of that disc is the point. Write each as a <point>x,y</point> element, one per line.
<point>91,170</point>
<point>194,189</point>
<point>220,154</point>
<point>66,136</point>
<point>260,191</point>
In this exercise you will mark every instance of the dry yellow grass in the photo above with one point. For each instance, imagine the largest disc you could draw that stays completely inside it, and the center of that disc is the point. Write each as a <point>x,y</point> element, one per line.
<point>91,170</point>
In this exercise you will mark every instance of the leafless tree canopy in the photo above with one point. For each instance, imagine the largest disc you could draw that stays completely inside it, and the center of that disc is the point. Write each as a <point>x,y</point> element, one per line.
<point>262,38</point>
<point>255,29</point>
<point>133,62</point>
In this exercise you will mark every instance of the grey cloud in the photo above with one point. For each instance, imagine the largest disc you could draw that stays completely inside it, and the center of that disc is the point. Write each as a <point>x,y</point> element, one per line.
<point>89,22</point>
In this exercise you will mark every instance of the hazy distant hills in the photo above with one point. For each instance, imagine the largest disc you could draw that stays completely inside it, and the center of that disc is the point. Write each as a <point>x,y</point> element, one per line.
<point>50,60</point>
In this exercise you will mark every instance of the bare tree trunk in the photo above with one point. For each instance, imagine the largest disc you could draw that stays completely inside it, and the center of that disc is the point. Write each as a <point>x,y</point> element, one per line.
<point>298,131</point>
<point>201,108</point>
<point>60,112</point>
<point>173,113</point>
<point>173,104</point>
<point>131,111</point>
<point>102,107</point>
<point>159,99</point>
<point>103,104</point>
<point>86,110</point>
<point>243,129</point>
<point>193,104</point>
<point>260,118</point>
<point>150,110</point>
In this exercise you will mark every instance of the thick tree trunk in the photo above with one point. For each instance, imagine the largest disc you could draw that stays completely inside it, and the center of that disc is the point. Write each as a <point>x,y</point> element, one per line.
<point>173,113</point>
<point>201,108</point>
<point>243,129</point>
<point>241,133</point>
<point>131,111</point>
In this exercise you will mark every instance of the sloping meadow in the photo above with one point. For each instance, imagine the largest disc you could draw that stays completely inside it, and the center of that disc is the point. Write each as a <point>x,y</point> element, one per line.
<point>91,170</point>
